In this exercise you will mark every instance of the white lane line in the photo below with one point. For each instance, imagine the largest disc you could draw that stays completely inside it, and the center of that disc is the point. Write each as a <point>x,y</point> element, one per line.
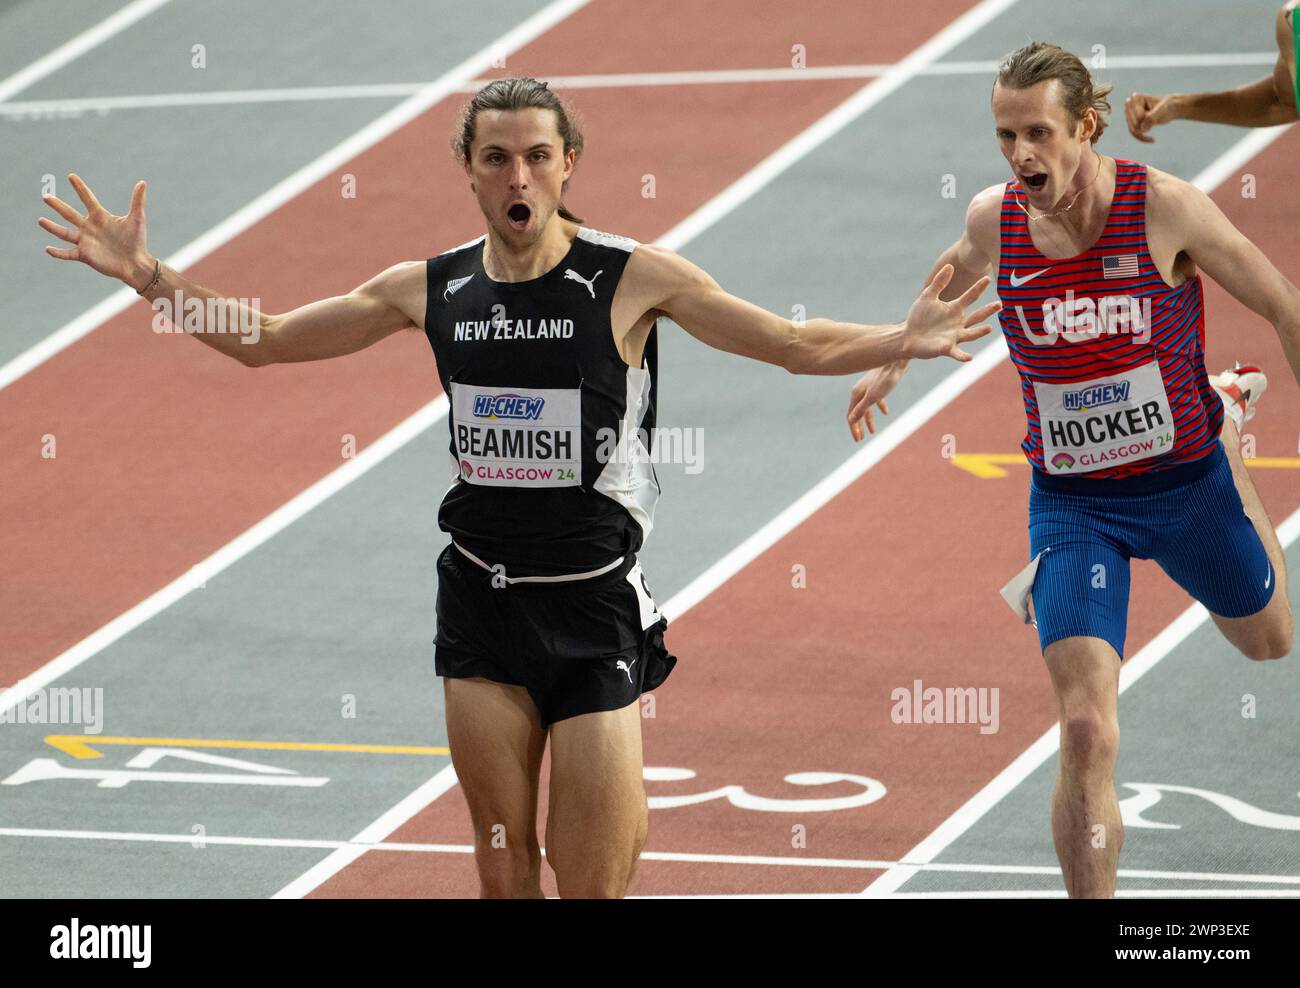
<point>74,47</point>
<point>705,77</point>
<point>923,855</point>
<point>219,97</point>
<point>325,869</point>
<point>274,523</point>
<point>295,184</point>
<point>445,779</point>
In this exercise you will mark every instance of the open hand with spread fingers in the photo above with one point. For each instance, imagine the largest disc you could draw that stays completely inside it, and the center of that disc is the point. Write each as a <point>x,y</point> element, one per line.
<point>934,328</point>
<point>112,245</point>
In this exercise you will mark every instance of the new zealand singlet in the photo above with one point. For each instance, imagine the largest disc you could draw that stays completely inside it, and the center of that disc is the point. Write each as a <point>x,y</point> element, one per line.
<point>549,426</point>
<point>1111,358</point>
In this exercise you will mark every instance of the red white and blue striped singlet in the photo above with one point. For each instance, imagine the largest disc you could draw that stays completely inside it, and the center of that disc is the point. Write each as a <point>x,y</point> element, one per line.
<point>1111,358</point>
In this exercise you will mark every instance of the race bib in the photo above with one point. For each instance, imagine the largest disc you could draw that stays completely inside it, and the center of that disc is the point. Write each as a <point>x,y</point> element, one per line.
<point>646,606</point>
<point>517,437</point>
<point>1091,425</point>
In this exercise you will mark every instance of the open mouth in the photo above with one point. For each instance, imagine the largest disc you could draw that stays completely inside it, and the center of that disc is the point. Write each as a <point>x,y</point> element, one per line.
<point>1035,181</point>
<point>519,215</point>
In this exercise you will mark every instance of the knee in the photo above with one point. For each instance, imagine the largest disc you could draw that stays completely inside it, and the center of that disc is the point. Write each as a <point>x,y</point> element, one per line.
<point>1089,743</point>
<point>592,887</point>
<point>584,878</point>
<point>1276,644</point>
<point>590,880</point>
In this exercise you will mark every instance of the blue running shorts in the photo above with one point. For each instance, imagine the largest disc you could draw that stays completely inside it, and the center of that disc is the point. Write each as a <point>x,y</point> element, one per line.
<point>1189,519</point>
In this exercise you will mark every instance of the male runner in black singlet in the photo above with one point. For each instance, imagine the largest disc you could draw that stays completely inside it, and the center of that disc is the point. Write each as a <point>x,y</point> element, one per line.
<point>544,335</point>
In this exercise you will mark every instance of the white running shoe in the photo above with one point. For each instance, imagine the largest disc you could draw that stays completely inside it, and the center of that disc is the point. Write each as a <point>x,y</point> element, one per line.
<point>1240,388</point>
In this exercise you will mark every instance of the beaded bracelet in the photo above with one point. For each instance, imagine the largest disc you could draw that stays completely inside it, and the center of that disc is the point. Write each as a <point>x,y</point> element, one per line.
<point>157,274</point>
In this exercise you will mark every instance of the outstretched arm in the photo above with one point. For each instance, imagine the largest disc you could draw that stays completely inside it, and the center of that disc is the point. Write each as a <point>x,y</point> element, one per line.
<point>971,260</point>
<point>668,283</point>
<point>1227,256</point>
<point>1265,103</point>
<point>116,246</point>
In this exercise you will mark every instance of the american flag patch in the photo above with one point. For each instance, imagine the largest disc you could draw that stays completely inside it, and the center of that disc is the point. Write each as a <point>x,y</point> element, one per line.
<point>1119,266</point>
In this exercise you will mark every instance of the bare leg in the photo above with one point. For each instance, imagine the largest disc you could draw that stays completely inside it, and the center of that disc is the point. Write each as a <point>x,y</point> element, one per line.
<point>496,741</point>
<point>597,822</point>
<point>1086,824</point>
<point>1268,634</point>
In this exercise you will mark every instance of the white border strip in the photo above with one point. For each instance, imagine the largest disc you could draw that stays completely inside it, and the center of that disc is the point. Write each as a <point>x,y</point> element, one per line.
<point>75,47</point>
<point>292,186</point>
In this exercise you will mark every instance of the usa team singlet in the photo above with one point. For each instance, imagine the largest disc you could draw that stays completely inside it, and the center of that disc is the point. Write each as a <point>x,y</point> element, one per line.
<point>1111,358</point>
<point>1123,430</point>
<point>551,473</point>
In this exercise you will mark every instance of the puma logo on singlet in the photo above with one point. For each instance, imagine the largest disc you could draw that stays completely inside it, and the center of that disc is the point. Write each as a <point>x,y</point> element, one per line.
<point>1017,282</point>
<point>571,275</point>
<point>620,663</point>
<point>455,285</point>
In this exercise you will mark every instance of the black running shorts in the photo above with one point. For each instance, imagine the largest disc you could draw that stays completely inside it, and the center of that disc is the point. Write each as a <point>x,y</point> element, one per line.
<point>578,647</point>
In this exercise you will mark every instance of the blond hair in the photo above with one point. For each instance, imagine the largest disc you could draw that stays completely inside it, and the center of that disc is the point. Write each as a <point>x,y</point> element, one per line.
<point>1038,62</point>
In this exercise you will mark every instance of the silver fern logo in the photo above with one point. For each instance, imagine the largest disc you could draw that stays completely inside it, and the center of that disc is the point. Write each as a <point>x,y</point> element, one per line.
<point>454,286</point>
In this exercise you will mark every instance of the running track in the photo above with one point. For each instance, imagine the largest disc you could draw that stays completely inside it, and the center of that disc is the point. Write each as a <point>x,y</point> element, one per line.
<point>773,685</point>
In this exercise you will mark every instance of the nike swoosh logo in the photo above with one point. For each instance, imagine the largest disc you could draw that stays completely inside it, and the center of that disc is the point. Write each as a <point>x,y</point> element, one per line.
<point>1017,282</point>
<point>1269,580</point>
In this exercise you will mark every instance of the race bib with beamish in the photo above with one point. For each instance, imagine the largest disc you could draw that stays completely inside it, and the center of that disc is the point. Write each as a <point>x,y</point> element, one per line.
<point>1105,422</point>
<point>517,437</point>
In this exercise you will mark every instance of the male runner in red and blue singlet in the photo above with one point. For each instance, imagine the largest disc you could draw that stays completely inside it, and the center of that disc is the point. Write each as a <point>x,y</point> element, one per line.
<point>1096,262</point>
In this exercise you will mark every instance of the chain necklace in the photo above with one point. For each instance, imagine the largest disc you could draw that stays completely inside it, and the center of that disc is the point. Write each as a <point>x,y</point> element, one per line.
<point>1061,212</point>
